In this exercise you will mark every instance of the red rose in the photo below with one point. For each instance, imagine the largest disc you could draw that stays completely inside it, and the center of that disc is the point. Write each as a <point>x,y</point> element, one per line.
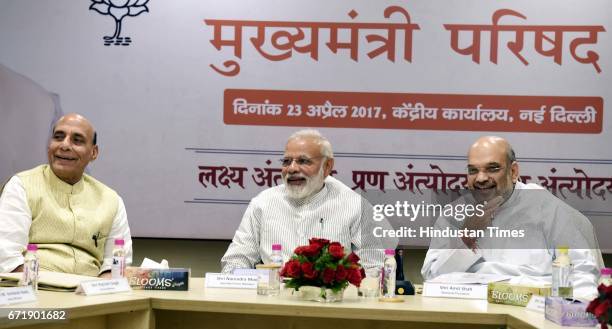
<point>317,244</point>
<point>323,242</point>
<point>328,275</point>
<point>300,250</point>
<point>593,305</point>
<point>353,258</point>
<point>605,290</point>
<point>354,277</point>
<point>602,309</point>
<point>312,250</point>
<point>308,270</point>
<point>292,269</point>
<point>341,273</point>
<point>335,250</point>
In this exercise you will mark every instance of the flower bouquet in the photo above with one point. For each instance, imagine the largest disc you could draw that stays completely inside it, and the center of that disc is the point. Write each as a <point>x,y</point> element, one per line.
<point>321,270</point>
<point>601,306</point>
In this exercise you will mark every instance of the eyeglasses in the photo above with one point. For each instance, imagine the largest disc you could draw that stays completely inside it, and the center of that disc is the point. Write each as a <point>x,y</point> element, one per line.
<point>493,169</point>
<point>301,161</point>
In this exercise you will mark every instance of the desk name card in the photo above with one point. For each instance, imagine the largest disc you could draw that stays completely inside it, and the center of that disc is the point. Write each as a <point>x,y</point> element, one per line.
<point>17,295</point>
<point>469,291</point>
<point>537,303</point>
<point>101,287</point>
<point>223,280</point>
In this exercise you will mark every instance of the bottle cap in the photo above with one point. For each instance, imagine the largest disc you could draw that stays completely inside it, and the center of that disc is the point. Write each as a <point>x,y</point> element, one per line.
<point>606,271</point>
<point>32,247</point>
<point>390,252</point>
<point>119,242</point>
<point>562,249</point>
<point>277,246</point>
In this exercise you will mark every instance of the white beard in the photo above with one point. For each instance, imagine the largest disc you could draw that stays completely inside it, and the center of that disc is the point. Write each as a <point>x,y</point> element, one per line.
<point>312,186</point>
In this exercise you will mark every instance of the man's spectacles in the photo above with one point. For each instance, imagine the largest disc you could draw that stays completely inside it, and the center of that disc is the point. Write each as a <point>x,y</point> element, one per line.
<point>493,169</point>
<point>301,161</point>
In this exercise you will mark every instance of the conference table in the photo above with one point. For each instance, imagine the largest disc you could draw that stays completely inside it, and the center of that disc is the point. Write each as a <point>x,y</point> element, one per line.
<point>240,308</point>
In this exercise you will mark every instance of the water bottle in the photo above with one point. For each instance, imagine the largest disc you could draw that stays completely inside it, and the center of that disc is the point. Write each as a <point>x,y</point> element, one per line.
<point>276,257</point>
<point>118,265</point>
<point>30,267</point>
<point>606,277</point>
<point>561,270</point>
<point>388,275</point>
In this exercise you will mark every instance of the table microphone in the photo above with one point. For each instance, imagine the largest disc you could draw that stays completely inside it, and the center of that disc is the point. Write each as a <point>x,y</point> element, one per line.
<point>402,286</point>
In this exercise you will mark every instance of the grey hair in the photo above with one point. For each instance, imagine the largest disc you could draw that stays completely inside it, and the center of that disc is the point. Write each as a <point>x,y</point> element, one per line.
<point>326,148</point>
<point>510,155</point>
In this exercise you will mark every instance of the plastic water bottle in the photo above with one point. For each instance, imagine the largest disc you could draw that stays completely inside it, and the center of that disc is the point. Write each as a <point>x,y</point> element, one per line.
<point>118,266</point>
<point>30,267</point>
<point>276,257</point>
<point>388,275</point>
<point>561,270</point>
<point>606,277</point>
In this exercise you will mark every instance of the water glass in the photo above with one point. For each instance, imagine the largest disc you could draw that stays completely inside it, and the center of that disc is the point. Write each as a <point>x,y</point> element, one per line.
<point>268,283</point>
<point>370,285</point>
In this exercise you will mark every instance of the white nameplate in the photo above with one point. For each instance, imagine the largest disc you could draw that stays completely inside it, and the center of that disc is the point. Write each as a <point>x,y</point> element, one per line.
<point>222,280</point>
<point>100,287</point>
<point>537,303</point>
<point>469,291</point>
<point>261,274</point>
<point>17,295</point>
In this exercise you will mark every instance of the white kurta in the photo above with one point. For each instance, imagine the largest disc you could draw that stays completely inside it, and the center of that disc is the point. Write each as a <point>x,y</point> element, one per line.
<point>547,222</point>
<point>336,213</point>
<point>16,219</point>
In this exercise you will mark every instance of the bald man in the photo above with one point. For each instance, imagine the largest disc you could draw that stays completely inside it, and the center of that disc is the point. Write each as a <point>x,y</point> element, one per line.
<point>508,204</point>
<point>72,217</point>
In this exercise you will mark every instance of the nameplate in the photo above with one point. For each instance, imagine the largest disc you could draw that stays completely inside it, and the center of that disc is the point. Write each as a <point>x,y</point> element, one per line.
<point>537,303</point>
<point>222,280</point>
<point>261,274</point>
<point>469,291</point>
<point>101,287</point>
<point>17,295</point>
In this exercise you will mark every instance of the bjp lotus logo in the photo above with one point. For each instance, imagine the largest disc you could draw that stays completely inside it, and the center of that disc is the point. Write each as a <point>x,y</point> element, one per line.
<point>119,9</point>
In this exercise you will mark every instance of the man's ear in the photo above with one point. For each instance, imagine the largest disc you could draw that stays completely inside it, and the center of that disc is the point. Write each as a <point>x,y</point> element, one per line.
<point>329,166</point>
<point>515,171</point>
<point>94,152</point>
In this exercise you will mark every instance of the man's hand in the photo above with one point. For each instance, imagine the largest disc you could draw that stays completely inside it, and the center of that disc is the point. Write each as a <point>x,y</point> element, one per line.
<point>481,222</point>
<point>18,269</point>
<point>105,275</point>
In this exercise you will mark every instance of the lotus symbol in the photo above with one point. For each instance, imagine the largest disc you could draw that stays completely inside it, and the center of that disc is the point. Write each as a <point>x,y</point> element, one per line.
<point>119,9</point>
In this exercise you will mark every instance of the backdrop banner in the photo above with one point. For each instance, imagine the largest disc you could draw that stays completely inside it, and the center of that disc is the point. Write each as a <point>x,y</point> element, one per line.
<point>193,100</point>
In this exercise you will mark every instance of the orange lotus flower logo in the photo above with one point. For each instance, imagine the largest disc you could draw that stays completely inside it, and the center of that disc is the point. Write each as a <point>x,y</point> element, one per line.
<point>119,9</point>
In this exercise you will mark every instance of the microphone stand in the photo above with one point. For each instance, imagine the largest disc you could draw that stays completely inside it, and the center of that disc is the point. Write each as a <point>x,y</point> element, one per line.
<point>402,286</point>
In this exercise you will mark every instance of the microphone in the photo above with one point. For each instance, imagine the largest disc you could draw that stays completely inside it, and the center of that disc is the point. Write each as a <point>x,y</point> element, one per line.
<point>402,286</point>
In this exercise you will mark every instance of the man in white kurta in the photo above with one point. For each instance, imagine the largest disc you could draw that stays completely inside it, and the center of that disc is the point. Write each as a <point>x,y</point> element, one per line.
<point>309,204</point>
<point>71,216</point>
<point>546,221</point>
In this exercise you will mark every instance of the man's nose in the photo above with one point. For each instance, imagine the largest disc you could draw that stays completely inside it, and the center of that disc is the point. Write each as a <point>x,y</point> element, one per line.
<point>293,167</point>
<point>65,143</point>
<point>482,177</point>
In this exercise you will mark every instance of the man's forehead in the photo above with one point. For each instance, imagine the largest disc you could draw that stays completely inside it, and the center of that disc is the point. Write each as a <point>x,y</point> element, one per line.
<point>485,156</point>
<point>73,127</point>
<point>303,147</point>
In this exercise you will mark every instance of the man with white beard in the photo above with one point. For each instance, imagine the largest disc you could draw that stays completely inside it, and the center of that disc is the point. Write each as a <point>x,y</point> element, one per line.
<point>309,204</point>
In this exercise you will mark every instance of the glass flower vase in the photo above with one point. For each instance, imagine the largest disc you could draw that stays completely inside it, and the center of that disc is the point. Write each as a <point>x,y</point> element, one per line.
<point>321,294</point>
